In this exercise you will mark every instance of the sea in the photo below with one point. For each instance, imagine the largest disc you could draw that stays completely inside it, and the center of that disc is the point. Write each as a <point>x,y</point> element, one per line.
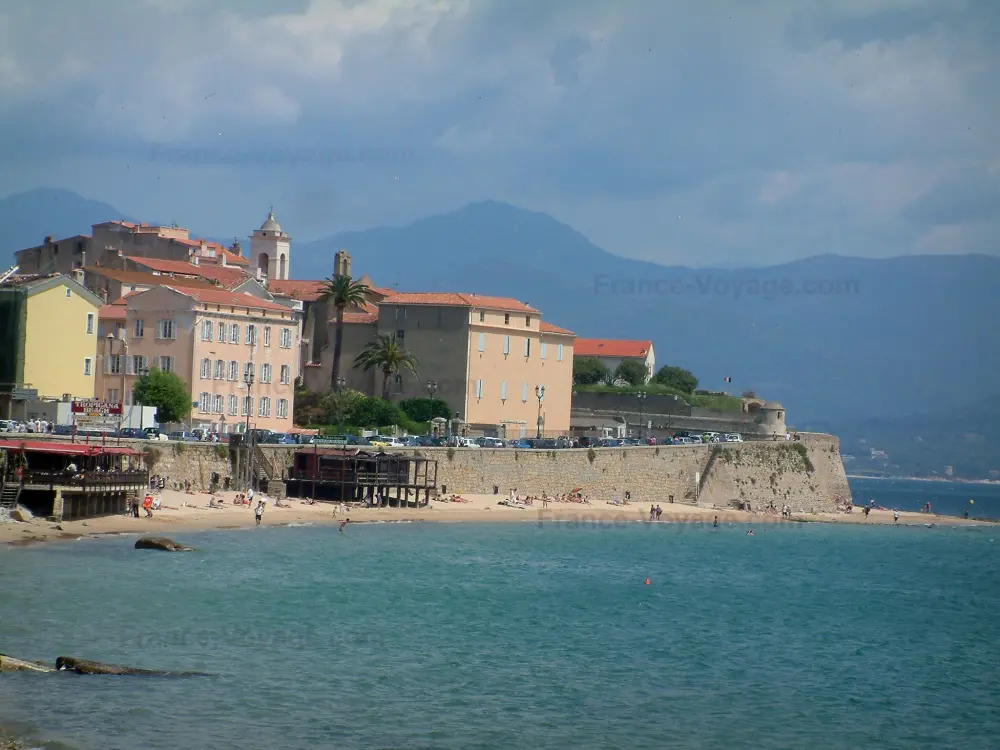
<point>529,635</point>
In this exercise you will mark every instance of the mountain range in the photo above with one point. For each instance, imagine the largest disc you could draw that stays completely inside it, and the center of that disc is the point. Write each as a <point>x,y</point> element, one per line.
<point>834,338</point>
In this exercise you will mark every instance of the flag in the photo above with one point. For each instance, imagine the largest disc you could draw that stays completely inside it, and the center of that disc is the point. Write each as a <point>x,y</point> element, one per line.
<point>728,380</point>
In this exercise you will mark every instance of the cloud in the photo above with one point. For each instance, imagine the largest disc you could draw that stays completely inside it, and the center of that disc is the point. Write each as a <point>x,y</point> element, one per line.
<point>776,130</point>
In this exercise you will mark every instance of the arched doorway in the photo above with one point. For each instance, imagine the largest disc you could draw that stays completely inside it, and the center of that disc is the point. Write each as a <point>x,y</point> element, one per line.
<point>262,263</point>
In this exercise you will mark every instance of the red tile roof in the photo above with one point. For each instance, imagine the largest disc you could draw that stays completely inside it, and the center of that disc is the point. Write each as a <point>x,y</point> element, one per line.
<point>611,348</point>
<point>227,277</point>
<point>549,328</point>
<point>233,299</point>
<point>306,291</point>
<point>148,279</point>
<point>455,299</point>
<point>112,312</point>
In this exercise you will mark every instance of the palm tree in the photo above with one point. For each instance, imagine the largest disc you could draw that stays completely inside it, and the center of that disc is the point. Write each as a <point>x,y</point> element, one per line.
<point>387,355</point>
<point>342,292</point>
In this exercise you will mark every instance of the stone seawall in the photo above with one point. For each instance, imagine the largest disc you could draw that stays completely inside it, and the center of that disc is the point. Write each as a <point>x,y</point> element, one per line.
<point>807,474</point>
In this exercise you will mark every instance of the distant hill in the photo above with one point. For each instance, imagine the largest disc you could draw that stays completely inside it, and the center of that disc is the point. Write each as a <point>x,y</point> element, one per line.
<point>909,335</point>
<point>26,218</point>
<point>924,445</point>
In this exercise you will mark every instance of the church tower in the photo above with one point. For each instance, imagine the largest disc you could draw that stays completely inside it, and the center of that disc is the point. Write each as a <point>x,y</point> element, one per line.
<point>271,250</point>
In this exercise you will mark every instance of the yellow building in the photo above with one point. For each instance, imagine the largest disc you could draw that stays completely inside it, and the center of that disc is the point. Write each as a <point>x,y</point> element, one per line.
<point>48,337</point>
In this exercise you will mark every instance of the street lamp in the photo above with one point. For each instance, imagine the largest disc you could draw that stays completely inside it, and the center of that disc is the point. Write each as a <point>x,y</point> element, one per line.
<point>539,394</point>
<point>338,401</point>
<point>432,387</point>
<point>248,378</point>
<point>641,397</point>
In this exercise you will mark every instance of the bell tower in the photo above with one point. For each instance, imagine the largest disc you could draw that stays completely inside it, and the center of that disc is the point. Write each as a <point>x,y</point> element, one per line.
<point>342,263</point>
<point>271,250</point>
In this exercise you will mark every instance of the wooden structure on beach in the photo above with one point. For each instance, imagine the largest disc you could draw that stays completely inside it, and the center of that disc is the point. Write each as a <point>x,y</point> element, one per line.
<point>69,481</point>
<point>342,475</point>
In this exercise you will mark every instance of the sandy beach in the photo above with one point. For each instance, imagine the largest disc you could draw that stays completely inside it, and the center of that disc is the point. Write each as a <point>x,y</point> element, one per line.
<point>182,512</point>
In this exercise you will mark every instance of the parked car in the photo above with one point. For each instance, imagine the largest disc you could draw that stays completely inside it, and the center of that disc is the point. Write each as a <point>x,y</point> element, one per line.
<point>133,433</point>
<point>490,442</point>
<point>733,437</point>
<point>183,435</point>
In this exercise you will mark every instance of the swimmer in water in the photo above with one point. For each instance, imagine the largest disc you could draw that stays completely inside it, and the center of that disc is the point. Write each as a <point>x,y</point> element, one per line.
<point>343,524</point>
<point>749,532</point>
<point>715,523</point>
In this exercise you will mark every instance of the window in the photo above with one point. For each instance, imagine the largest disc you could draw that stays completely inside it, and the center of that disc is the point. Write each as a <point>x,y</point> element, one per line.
<point>506,319</point>
<point>206,369</point>
<point>137,333</point>
<point>90,324</point>
<point>482,316</point>
<point>247,405</point>
<point>113,395</point>
<point>248,373</point>
<point>222,333</point>
<point>265,373</point>
<point>400,336</point>
<point>506,345</point>
<point>263,406</point>
<point>251,335</point>
<point>206,330</point>
<point>220,370</point>
<point>69,292</point>
<point>234,333</point>
<point>503,391</point>
<point>527,347</point>
<point>285,338</point>
<point>137,363</point>
<point>113,364</point>
<point>217,406</point>
<point>234,370</point>
<point>524,393</point>
<point>542,349</point>
<point>479,389</point>
<point>234,405</point>
<point>282,408</point>
<point>166,364</point>
<point>400,313</point>
<point>482,342</point>
<point>286,374</point>
<point>267,335</point>
<point>527,321</point>
<point>559,352</point>
<point>88,366</point>
<point>165,329</point>
<point>204,403</point>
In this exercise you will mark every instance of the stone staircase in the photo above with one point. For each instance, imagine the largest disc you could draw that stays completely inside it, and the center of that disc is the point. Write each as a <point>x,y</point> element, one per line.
<point>9,495</point>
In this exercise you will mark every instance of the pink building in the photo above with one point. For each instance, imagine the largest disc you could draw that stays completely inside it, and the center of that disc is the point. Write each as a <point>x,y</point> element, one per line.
<point>216,341</point>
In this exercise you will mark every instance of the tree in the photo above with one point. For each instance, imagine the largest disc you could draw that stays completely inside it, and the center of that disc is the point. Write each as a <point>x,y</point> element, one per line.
<point>424,409</point>
<point>632,371</point>
<point>750,394</point>
<point>374,412</point>
<point>387,355</point>
<point>589,371</point>
<point>167,392</point>
<point>342,292</point>
<point>677,378</point>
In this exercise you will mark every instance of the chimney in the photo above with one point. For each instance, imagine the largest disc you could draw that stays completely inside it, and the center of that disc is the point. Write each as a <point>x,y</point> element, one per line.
<point>48,239</point>
<point>83,258</point>
<point>77,275</point>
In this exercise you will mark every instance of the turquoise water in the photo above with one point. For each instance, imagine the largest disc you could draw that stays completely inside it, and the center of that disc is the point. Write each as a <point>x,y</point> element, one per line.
<point>515,636</point>
<point>946,498</point>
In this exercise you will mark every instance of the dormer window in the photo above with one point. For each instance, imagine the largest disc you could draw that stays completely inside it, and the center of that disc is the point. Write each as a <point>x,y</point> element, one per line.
<point>506,319</point>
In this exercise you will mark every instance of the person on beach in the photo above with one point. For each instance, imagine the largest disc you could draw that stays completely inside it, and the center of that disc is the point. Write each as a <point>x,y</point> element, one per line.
<point>895,515</point>
<point>259,512</point>
<point>343,524</point>
<point>715,523</point>
<point>652,513</point>
<point>868,510</point>
<point>659,512</point>
<point>966,514</point>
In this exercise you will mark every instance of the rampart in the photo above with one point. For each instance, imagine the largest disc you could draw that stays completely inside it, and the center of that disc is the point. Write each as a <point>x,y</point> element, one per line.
<point>807,474</point>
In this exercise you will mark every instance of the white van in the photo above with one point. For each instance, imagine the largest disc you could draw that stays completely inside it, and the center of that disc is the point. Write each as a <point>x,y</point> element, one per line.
<point>734,437</point>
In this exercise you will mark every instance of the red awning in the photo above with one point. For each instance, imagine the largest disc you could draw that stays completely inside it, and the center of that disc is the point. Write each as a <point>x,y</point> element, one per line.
<point>65,449</point>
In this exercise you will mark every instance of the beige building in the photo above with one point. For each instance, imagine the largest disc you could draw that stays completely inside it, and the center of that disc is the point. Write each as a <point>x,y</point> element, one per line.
<point>487,357</point>
<point>213,339</point>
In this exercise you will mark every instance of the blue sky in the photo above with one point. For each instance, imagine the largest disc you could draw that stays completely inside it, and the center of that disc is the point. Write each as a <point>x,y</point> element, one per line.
<point>679,132</point>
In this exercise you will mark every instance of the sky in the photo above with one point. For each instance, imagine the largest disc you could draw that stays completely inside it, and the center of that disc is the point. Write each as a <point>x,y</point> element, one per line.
<point>693,133</point>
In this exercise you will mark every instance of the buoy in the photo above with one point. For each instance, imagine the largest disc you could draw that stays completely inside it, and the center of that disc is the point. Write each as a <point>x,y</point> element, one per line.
<point>972,502</point>
<point>646,582</point>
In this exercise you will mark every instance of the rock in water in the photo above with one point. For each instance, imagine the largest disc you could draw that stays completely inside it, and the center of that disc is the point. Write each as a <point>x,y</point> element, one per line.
<point>161,543</point>
<point>10,664</point>
<point>82,666</point>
